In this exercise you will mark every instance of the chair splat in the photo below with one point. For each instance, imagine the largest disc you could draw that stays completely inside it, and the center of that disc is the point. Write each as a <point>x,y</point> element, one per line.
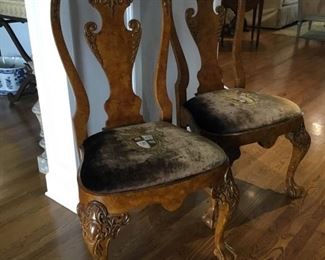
<point>206,27</point>
<point>115,47</point>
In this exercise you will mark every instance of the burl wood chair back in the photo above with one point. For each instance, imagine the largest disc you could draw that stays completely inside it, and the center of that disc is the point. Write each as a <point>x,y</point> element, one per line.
<point>206,28</point>
<point>115,48</point>
<point>132,164</point>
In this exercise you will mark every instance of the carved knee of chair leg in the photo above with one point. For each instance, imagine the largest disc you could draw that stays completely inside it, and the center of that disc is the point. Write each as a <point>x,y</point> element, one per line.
<point>300,140</point>
<point>227,198</point>
<point>209,218</point>
<point>99,227</point>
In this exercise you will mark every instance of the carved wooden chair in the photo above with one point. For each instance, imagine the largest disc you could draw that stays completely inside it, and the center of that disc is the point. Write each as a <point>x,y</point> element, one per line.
<point>233,117</point>
<point>132,164</point>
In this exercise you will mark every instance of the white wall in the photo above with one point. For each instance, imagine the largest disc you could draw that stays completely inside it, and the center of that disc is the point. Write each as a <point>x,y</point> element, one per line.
<point>54,103</point>
<point>6,45</point>
<point>151,20</point>
<point>87,65</point>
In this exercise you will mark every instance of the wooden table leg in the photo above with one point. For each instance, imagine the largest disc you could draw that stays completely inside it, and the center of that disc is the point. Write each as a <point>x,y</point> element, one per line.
<point>253,23</point>
<point>259,22</point>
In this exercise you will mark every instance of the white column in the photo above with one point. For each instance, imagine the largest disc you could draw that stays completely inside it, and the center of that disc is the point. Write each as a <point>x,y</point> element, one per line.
<point>55,106</point>
<point>43,166</point>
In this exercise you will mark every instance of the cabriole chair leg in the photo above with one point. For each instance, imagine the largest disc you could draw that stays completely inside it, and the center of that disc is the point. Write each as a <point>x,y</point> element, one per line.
<point>226,197</point>
<point>300,140</point>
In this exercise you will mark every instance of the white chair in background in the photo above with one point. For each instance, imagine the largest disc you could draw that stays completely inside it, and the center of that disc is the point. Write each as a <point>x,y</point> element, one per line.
<point>310,10</point>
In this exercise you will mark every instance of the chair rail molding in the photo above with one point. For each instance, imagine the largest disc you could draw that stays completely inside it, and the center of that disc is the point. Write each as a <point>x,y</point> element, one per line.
<point>55,105</point>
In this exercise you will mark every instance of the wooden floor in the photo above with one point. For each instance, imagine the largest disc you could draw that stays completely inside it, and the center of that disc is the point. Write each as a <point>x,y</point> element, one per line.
<point>266,225</point>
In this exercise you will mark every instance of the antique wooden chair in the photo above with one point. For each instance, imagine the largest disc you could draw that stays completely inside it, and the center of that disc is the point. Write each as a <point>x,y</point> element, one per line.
<point>131,163</point>
<point>233,117</point>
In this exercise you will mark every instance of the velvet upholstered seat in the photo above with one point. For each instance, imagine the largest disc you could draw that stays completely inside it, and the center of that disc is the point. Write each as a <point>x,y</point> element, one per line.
<point>144,155</point>
<point>237,110</point>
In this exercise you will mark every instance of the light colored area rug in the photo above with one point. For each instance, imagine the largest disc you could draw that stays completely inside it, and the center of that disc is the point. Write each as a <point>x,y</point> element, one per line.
<point>317,31</point>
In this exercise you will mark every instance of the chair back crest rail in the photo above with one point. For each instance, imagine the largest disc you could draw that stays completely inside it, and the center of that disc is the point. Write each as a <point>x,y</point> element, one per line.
<point>115,46</point>
<point>206,28</point>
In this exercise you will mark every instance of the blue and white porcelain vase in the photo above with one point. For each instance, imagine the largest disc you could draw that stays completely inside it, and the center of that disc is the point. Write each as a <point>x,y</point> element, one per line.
<point>12,73</point>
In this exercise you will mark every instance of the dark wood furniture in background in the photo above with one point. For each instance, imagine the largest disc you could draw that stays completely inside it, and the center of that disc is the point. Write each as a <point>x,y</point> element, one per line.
<point>117,174</point>
<point>257,7</point>
<point>233,117</point>
<point>29,82</point>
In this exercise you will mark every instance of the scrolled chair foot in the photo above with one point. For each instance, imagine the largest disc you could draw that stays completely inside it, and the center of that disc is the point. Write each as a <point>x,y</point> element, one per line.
<point>295,191</point>
<point>99,227</point>
<point>226,197</point>
<point>225,253</point>
<point>300,140</point>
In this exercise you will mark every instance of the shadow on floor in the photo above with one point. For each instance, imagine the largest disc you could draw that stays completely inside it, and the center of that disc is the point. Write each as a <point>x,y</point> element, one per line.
<point>156,231</point>
<point>255,201</point>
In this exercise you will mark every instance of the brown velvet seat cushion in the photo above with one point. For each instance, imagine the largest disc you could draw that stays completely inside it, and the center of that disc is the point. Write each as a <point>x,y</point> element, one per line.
<point>114,162</point>
<point>237,110</point>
